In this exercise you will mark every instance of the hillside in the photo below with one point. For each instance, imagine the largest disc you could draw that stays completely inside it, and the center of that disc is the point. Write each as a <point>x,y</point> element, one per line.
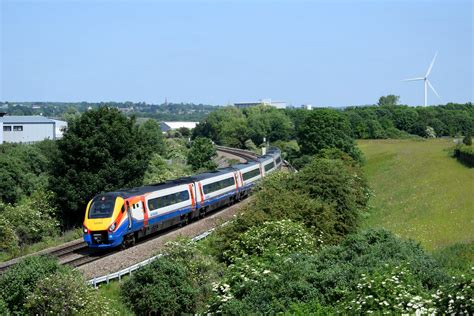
<point>420,191</point>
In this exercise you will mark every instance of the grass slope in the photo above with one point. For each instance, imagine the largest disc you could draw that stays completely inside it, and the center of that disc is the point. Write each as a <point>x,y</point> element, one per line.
<point>420,191</point>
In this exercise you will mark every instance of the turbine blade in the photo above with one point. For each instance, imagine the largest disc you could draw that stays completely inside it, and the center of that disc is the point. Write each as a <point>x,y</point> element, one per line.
<point>431,65</point>
<point>414,79</point>
<point>432,88</point>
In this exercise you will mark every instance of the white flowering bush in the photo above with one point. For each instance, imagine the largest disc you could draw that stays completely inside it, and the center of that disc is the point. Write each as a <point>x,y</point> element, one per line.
<point>278,238</point>
<point>457,297</point>
<point>395,290</point>
<point>67,294</point>
<point>33,218</point>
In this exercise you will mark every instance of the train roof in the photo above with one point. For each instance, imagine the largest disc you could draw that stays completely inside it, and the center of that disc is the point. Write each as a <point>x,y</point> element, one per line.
<point>212,174</point>
<point>245,165</point>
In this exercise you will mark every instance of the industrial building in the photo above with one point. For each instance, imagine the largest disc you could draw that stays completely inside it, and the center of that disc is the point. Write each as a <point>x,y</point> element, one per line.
<point>166,126</point>
<point>268,102</point>
<point>29,129</point>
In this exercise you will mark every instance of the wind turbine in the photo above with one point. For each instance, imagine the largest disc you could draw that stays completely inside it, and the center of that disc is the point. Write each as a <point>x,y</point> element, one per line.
<point>426,81</point>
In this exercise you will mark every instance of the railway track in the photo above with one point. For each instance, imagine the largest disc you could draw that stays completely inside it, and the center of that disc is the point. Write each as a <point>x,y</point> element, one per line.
<point>76,253</point>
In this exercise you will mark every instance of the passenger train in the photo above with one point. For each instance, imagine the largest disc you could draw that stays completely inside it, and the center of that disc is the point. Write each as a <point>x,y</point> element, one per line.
<point>120,218</point>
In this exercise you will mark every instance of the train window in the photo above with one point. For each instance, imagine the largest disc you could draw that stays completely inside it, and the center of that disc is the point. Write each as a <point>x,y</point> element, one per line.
<point>269,166</point>
<point>251,174</point>
<point>167,200</point>
<point>102,207</point>
<point>218,185</point>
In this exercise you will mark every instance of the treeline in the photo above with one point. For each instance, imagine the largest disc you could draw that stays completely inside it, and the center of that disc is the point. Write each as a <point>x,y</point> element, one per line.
<point>301,133</point>
<point>161,112</point>
<point>396,121</point>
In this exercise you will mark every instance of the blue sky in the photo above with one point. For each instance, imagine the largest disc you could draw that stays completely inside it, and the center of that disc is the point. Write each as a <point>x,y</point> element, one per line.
<point>327,53</point>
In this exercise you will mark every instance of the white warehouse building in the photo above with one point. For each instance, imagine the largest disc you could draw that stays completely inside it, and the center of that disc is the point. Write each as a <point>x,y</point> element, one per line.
<point>28,129</point>
<point>166,126</point>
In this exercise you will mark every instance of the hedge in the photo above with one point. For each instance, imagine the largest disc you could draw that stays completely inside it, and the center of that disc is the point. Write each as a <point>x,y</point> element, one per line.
<point>465,154</point>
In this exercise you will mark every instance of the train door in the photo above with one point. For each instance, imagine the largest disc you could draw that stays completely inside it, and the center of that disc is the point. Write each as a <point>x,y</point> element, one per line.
<point>137,211</point>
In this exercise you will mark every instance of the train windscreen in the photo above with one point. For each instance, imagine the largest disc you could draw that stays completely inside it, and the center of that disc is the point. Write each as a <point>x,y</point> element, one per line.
<point>102,207</point>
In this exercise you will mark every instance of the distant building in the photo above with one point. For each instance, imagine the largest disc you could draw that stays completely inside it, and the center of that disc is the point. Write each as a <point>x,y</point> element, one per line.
<point>166,126</point>
<point>60,128</point>
<point>27,129</point>
<point>307,106</point>
<point>268,102</point>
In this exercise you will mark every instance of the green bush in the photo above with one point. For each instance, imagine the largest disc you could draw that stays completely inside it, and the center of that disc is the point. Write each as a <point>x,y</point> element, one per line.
<point>8,238</point>
<point>41,221</point>
<point>394,290</point>
<point>20,280</point>
<point>326,128</point>
<point>202,269</point>
<point>201,154</point>
<point>162,287</point>
<point>465,154</point>
<point>282,237</point>
<point>3,308</point>
<point>24,170</point>
<point>66,294</point>
<point>159,170</point>
<point>275,199</point>
<point>457,296</point>
<point>467,140</point>
<point>339,183</point>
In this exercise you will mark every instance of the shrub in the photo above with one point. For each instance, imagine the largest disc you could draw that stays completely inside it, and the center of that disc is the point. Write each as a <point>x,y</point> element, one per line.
<point>20,280</point>
<point>3,308</point>
<point>202,269</point>
<point>40,214</point>
<point>8,238</point>
<point>467,140</point>
<point>393,290</point>
<point>465,154</point>
<point>159,170</point>
<point>334,181</point>
<point>66,294</point>
<point>281,237</point>
<point>24,170</point>
<point>276,199</point>
<point>162,287</point>
<point>201,154</point>
<point>457,296</point>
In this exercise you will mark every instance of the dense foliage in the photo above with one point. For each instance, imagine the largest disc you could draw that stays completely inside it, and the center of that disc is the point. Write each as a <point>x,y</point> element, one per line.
<point>201,154</point>
<point>324,129</point>
<point>465,154</point>
<point>41,223</point>
<point>389,121</point>
<point>102,150</point>
<point>24,169</point>
<point>40,286</point>
<point>162,287</point>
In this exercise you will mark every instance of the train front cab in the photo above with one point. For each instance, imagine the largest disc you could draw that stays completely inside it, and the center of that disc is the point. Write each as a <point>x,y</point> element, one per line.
<point>105,222</point>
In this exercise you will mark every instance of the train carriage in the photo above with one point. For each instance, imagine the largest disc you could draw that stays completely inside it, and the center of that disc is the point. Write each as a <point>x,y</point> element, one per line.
<point>120,217</point>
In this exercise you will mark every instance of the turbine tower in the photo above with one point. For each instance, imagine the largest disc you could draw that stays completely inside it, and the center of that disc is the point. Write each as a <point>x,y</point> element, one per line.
<point>426,81</point>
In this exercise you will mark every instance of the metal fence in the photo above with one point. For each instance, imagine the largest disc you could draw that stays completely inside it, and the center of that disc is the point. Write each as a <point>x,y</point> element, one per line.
<point>128,271</point>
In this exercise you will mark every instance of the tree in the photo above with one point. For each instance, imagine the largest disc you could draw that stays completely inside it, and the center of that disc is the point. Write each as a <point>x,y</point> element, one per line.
<point>102,150</point>
<point>388,100</point>
<point>201,154</point>
<point>152,137</point>
<point>326,129</point>
<point>467,140</point>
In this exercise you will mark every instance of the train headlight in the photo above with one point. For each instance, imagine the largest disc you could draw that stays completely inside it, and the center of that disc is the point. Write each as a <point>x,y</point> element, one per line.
<point>85,230</point>
<point>112,227</point>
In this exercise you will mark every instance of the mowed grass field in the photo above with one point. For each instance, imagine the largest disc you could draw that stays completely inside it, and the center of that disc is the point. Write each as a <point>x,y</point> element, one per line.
<point>420,191</point>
